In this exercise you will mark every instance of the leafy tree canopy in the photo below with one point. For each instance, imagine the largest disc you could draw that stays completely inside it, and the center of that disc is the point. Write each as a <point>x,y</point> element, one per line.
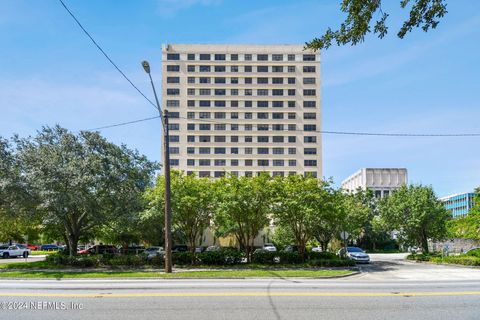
<point>365,16</point>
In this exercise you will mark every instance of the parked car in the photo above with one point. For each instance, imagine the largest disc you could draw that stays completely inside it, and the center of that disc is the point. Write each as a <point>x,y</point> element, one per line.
<point>131,250</point>
<point>179,248</point>
<point>317,249</point>
<point>33,247</point>
<point>269,247</point>
<point>213,248</point>
<point>291,248</point>
<point>24,247</point>
<point>13,251</point>
<point>99,249</point>
<point>354,253</point>
<point>199,249</point>
<point>152,252</point>
<point>49,247</point>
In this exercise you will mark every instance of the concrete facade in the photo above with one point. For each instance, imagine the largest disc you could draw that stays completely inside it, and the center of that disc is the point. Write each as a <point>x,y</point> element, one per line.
<point>243,109</point>
<point>382,181</point>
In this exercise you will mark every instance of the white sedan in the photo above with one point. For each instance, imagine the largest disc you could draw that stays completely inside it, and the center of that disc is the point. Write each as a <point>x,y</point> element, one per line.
<point>13,251</point>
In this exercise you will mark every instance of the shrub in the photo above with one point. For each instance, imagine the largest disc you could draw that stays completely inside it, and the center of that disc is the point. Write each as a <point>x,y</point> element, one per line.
<point>289,257</point>
<point>474,253</point>
<point>321,255</point>
<point>225,256</point>
<point>182,258</point>
<point>463,260</point>
<point>77,261</point>
<point>337,262</point>
<point>124,260</point>
<point>264,257</point>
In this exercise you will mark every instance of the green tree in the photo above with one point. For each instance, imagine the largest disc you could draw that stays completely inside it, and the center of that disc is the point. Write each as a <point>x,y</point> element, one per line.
<point>417,213</point>
<point>299,203</point>
<point>82,181</point>
<point>360,20</point>
<point>468,226</point>
<point>193,204</point>
<point>244,206</point>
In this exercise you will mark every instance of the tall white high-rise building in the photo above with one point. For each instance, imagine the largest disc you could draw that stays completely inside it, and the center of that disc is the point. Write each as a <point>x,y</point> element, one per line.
<point>243,109</point>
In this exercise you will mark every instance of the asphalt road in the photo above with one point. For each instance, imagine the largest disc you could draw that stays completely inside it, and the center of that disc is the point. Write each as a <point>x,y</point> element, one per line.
<point>389,288</point>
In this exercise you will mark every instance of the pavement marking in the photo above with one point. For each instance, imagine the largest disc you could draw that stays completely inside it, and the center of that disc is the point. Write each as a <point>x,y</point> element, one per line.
<point>243,294</point>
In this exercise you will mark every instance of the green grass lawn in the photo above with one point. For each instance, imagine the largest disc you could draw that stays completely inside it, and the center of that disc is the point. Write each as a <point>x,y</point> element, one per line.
<point>40,253</point>
<point>181,274</point>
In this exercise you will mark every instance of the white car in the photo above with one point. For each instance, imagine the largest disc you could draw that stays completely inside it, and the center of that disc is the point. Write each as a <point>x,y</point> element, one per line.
<point>354,253</point>
<point>269,247</point>
<point>12,251</point>
<point>317,249</point>
<point>153,252</point>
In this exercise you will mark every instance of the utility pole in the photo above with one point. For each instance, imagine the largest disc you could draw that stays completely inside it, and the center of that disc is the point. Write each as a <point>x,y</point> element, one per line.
<point>166,169</point>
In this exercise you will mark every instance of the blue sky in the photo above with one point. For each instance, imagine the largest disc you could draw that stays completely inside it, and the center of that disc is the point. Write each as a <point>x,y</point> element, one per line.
<point>427,83</point>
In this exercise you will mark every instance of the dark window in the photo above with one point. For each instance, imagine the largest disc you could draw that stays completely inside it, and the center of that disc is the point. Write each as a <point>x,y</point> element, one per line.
<point>190,162</point>
<point>191,56</point>
<point>309,127</point>
<point>262,57</point>
<point>204,126</point>
<point>173,92</point>
<point>204,150</point>
<point>248,139</point>
<point>248,115</point>
<point>308,80</point>
<point>190,68</point>
<point>204,162</point>
<point>277,127</point>
<point>277,92</point>
<point>292,163</point>
<point>277,138</point>
<point>204,174</point>
<point>277,115</point>
<point>308,57</point>
<point>174,115</point>
<point>220,139</point>
<point>204,103</point>
<point>234,80</point>
<point>262,69</point>
<point>292,115</point>
<point>173,79</point>
<point>220,80</point>
<point>291,92</point>
<point>173,103</point>
<point>248,80</point>
<point>204,56</point>
<point>220,127</point>
<point>262,150</point>
<point>234,139</point>
<point>174,68</point>
<point>220,69</point>
<point>309,92</point>
<point>277,68</point>
<point>292,127</point>
<point>291,80</point>
<point>234,57</point>
<point>278,163</point>
<point>309,104</point>
<point>190,150</point>
<point>277,104</point>
<point>248,69</point>
<point>204,80</point>
<point>190,138</point>
<point>291,57</point>
<point>278,80</point>
<point>310,139</point>
<point>262,115</point>
<point>220,92</point>
<point>308,68</point>
<point>262,80</point>
<point>291,104</point>
<point>220,103</point>
<point>310,163</point>
<point>220,56</point>
<point>263,163</point>
<point>291,68</point>
<point>262,104</point>
<point>174,150</point>
<point>262,139</point>
<point>248,57</point>
<point>234,150</point>
<point>174,162</point>
<point>234,104</point>
<point>204,68</point>
<point>174,138</point>
<point>292,139</point>
<point>309,151</point>
<point>248,104</point>
<point>204,138</point>
<point>220,150</point>
<point>191,80</point>
<point>309,115</point>
<point>173,56</point>
<point>277,57</point>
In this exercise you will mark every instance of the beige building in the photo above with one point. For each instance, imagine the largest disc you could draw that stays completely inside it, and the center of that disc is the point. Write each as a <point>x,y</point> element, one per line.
<point>382,181</point>
<point>243,109</point>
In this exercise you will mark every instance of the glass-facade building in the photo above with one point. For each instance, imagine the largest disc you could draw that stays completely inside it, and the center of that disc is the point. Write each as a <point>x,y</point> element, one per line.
<point>459,204</point>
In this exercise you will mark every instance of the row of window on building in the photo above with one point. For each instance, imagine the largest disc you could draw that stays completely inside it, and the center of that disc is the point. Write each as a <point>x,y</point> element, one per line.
<point>246,139</point>
<point>246,162</point>
<point>235,150</point>
<point>243,115</point>
<point>243,103</point>
<point>245,127</point>
<point>237,80</point>
<point>245,69</point>
<point>244,57</point>
<point>219,174</point>
<point>243,92</point>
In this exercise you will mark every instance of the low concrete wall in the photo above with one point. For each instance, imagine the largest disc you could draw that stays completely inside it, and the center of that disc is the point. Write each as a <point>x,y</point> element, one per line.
<point>455,245</point>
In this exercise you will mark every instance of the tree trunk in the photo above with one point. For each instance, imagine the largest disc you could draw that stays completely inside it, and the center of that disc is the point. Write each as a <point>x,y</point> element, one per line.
<point>72,244</point>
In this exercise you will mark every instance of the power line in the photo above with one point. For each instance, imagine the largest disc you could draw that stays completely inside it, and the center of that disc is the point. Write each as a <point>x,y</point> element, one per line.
<point>121,124</point>
<point>105,54</point>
